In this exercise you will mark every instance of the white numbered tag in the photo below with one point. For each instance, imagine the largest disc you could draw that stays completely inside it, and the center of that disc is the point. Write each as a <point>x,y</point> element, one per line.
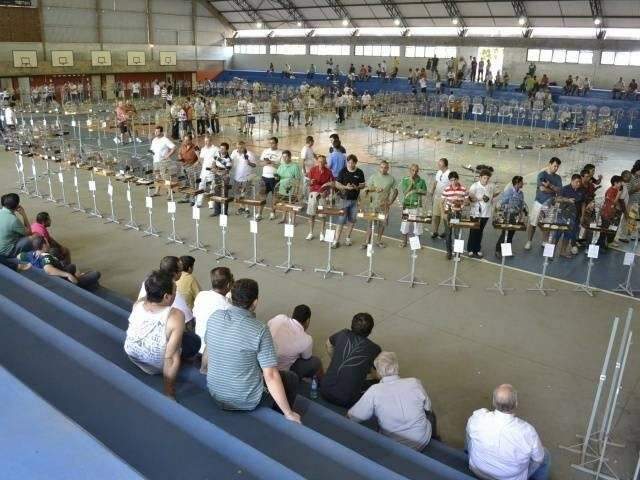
<point>458,246</point>
<point>414,243</point>
<point>104,124</point>
<point>329,235</point>
<point>369,249</point>
<point>148,202</point>
<point>75,181</point>
<point>288,230</point>
<point>92,185</point>
<point>505,249</point>
<point>121,172</point>
<point>629,258</point>
<point>73,123</point>
<point>454,221</point>
<point>593,251</point>
<point>613,228</point>
<point>195,213</point>
<point>224,220</point>
<point>60,177</point>
<point>128,195</point>
<point>31,122</point>
<point>171,207</point>
<point>593,225</point>
<point>549,250</point>
<point>110,190</point>
<point>253,226</point>
<point>210,204</point>
<point>44,122</point>
<point>381,216</point>
<point>33,169</point>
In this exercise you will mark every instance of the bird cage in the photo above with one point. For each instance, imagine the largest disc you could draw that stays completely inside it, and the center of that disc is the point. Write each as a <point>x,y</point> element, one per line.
<point>454,135</point>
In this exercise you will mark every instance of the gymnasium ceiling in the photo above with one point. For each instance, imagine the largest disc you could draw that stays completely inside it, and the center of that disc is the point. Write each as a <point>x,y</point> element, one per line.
<point>313,14</point>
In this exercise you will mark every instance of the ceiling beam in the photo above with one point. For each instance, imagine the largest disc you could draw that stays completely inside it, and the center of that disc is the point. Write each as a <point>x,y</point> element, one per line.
<point>392,9</point>
<point>215,13</point>
<point>596,13</point>
<point>520,10</point>
<point>293,11</point>
<point>340,11</point>
<point>251,12</point>
<point>454,14</point>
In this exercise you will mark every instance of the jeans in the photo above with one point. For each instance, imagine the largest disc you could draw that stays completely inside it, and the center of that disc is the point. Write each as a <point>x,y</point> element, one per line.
<point>542,472</point>
<point>290,383</point>
<point>505,237</point>
<point>306,368</point>
<point>22,245</point>
<point>10,262</point>
<point>88,280</point>
<point>474,244</point>
<point>449,235</point>
<point>190,344</point>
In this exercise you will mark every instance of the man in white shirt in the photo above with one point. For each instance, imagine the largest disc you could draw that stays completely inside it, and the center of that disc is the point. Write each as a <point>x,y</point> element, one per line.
<point>243,164</point>
<point>156,89</point>
<point>310,111</point>
<point>440,183</point>
<point>481,194</point>
<point>502,446</point>
<point>209,301</point>
<point>172,266</point>
<point>270,159</point>
<point>307,155</point>
<point>365,100</point>
<point>293,345</point>
<point>208,154</point>
<point>162,149</point>
<point>135,89</point>
<point>10,119</point>
<point>399,404</point>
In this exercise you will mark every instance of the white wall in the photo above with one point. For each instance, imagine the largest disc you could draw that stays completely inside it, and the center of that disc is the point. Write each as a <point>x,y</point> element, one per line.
<point>515,61</point>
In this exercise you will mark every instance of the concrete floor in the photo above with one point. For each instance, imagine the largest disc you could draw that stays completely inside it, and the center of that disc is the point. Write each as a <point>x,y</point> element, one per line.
<point>461,345</point>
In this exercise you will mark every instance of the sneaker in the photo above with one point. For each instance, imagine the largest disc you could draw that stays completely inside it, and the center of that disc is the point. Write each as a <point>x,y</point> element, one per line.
<point>321,237</point>
<point>434,235</point>
<point>614,244</point>
<point>335,244</point>
<point>449,255</point>
<point>574,250</point>
<point>272,216</point>
<point>479,254</point>
<point>348,242</point>
<point>623,240</point>
<point>380,245</point>
<point>258,217</point>
<point>309,237</point>
<point>442,235</point>
<point>363,246</point>
<point>527,246</point>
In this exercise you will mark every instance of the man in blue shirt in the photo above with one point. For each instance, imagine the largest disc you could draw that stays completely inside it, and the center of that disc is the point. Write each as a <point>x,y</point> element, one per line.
<point>574,194</point>
<point>337,158</point>
<point>548,185</point>
<point>512,199</point>
<point>241,356</point>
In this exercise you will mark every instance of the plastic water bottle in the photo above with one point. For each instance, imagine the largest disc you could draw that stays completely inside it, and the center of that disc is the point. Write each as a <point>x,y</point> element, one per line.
<point>314,388</point>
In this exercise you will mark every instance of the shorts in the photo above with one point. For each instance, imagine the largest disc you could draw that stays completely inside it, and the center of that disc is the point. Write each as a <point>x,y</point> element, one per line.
<point>406,227</point>
<point>535,213</point>
<point>269,184</point>
<point>350,212</point>
<point>313,201</point>
<point>275,117</point>
<point>251,119</point>
<point>438,207</point>
<point>123,127</point>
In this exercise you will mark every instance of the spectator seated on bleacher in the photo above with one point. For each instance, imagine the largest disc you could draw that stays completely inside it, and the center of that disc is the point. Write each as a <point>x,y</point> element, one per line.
<point>187,284</point>
<point>241,358</point>
<point>502,446</point>
<point>294,346</point>
<point>544,81</point>
<point>44,257</point>
<point>352,355</point>
<point>15,234</point>
<point>41,228</point>
<point>400,405</point>
<point>156,338</point>
<point>568,86</point>
<point>208,301</point>
<point>618,89</point>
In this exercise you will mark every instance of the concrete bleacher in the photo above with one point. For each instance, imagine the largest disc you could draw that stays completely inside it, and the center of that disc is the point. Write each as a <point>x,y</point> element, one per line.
<point>596,97</point>
<point>66,345</point>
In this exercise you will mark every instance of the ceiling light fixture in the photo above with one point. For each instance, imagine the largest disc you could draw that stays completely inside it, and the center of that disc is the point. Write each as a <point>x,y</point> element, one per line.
<point>455,21</point>
<point>258,24</point>
<point>597,20</point>
<point>396,22</point>
<point>299,24</point>
<point>522,21</point>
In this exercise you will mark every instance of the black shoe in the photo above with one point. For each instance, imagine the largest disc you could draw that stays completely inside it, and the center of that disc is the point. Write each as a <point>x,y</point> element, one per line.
<point>442,235</point>
<point>214,214</point>
<point>449,256</point>
<point>498,255</point>
<point>434,235</point>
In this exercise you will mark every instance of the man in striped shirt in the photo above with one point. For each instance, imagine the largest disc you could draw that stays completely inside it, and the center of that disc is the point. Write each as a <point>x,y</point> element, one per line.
<point>241,354</point>
<point>454,197</point>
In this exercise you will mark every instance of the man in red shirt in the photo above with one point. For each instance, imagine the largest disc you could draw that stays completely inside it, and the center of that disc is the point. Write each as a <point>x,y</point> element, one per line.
<point>454,197</point>
<point>320,177</point>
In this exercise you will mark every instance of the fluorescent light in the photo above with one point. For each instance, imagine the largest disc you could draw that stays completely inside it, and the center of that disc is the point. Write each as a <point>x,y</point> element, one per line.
<point>455,21</point>
<point>258,24</point>
<point>345,22</point>
<point>396,22</point>
<point>522,20</point>
<point>597,21</point>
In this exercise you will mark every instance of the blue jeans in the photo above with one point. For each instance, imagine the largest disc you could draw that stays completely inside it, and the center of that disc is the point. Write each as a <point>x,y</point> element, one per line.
<point>542,472</point>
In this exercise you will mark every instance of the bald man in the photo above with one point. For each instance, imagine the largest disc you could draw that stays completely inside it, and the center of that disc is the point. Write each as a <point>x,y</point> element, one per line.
<point>502,446</point>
